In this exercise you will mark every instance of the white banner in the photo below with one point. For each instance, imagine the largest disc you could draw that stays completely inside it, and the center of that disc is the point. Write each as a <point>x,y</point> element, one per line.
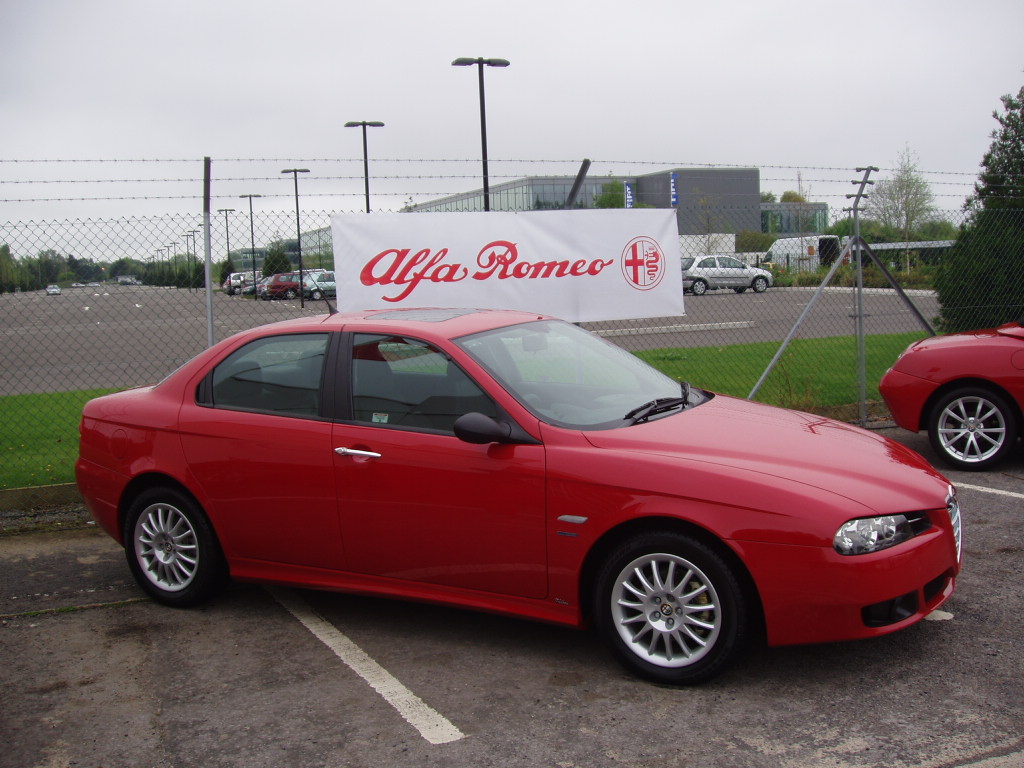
<point>580,265</point>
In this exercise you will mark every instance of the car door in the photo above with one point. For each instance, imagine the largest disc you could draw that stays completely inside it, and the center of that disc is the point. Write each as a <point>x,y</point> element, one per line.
<point>708,268</point>
<point>261,454</point>
<point>417,503</point>
<point>733,272</point>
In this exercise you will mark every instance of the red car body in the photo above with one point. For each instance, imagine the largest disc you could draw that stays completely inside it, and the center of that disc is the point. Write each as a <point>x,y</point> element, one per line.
<point>525,523</point>
<point>966,376</point>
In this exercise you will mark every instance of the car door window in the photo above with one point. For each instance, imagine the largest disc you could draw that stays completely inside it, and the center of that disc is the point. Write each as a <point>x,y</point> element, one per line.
<point>275,374</point>
<point>405,382</point>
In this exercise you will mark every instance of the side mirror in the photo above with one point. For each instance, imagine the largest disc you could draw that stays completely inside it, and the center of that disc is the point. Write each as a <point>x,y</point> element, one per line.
<point>477,428</point>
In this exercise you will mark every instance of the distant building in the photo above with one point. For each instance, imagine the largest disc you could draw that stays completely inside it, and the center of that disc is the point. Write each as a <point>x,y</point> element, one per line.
<point>706,200</point>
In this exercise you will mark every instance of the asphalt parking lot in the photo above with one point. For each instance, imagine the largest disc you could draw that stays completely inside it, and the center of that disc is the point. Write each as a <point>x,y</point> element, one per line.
<point>94,674</point>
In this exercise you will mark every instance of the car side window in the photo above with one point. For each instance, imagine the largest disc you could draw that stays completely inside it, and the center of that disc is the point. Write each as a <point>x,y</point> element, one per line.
<point>404,382</point>
<point>708,263</point>
<point>730,262</point>
<point>275,374</point>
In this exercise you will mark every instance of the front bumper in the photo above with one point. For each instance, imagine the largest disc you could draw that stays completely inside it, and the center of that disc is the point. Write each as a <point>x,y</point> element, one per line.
<point>815,595</point>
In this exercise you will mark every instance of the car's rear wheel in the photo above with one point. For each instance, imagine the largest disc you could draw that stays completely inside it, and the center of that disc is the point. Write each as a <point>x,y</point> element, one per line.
<point>972,428</point>
<point>171,548</point>
<point>760,284</point>
<point>290,293</point>
<point>699,288</point>
<point>671,608</point>
<point>316,295</point>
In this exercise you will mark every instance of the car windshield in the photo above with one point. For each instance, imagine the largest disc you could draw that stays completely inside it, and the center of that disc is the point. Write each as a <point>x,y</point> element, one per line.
<point>687,262</point>
<point>572,378</point>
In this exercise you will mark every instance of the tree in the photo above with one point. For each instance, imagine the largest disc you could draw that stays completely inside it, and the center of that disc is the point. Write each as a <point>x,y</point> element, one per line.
<point>277,260</point>
<point>790,196</point>
<point>902,202</point>
<point>768,197</point>
<point>1001,182</point>
<point>8,272</point>
<point>979,282</point>
<point>612,195</point>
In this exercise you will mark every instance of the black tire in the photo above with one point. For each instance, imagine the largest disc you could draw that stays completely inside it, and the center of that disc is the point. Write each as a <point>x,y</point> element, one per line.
<point>671,608</point>
<point>972,428</point>
<point>699,288</point>
<point>172,550</point>
<point>760,284</point>
<point>290,294</point>
<point>316,295</point>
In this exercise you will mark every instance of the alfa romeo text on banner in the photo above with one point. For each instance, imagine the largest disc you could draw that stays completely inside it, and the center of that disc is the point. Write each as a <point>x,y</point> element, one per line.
<point>582,265</point>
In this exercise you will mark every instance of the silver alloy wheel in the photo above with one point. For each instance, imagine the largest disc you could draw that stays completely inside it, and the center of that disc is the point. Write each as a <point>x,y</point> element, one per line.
<point>971,429</point>
<point>166,547</point>
<point>666,610</point>
<point>760,284</point>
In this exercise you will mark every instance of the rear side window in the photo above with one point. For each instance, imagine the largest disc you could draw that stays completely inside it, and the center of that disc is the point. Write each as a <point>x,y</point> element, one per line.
<point>277,374</point>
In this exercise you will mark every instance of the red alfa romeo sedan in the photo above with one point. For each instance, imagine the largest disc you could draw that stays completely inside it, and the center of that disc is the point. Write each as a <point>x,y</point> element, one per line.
<point>511,462</point>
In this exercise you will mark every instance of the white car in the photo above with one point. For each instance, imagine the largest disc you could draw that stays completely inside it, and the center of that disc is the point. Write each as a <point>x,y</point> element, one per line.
<point>53,290</point>
<point>704,273</point>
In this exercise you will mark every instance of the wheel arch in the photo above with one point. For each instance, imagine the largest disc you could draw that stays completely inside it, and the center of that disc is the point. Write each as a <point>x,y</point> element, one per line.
<point>146,482</point>
<point>603,547</point>
<point>929,407</point>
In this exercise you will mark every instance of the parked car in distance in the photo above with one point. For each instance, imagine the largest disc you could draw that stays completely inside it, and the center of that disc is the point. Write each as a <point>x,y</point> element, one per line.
<point>706,273</point>
<point>320,285</point>
<point>284,285</point>
<point>53,290</point>
<point>237,282</point>
<point>966,389</point>
<point>515,463</point>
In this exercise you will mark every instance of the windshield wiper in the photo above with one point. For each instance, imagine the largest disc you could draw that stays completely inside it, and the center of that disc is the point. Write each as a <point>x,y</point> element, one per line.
<point>662,404</point>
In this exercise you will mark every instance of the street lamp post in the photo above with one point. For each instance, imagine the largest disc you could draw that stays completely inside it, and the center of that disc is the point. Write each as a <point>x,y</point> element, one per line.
<point>481,63</point>
<point>173,248</point>
<point>227,231</point>
<point>188,255</point>
<point>252,245</point>
<point>298,231</point>
<point>366,164</point>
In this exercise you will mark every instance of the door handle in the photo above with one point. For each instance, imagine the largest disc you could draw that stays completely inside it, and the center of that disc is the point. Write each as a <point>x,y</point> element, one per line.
<point>356,452</point>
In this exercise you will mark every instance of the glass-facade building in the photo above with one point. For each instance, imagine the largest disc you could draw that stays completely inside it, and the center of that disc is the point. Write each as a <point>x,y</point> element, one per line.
<point>705,199</point>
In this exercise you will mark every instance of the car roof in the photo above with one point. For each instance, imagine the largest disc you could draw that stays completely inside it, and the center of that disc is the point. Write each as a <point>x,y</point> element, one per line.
<point>428,322</point>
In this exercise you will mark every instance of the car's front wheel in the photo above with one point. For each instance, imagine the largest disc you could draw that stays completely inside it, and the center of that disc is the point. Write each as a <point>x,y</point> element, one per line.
<point>671,608</point>
<point>972,428</point>
<point>171,548</point>
<point>699,288</point>
<point>316,295</point>
<point>290,294</point>
<point>760,284</point>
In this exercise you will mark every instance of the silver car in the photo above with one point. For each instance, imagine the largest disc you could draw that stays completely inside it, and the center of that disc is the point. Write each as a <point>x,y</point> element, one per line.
<point>704,273</point>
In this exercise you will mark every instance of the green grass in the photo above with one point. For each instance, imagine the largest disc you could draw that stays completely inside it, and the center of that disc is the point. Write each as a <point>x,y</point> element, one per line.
<point>39,441</point>
<point>39,444</point>
<point>814,374</point>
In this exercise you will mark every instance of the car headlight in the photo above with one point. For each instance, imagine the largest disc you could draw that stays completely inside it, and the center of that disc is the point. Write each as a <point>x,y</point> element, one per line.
<point>872,534</point>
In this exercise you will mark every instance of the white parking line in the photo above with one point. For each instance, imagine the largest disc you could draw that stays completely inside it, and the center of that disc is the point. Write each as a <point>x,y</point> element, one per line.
<point>983,489</point>
<point>432,726</point>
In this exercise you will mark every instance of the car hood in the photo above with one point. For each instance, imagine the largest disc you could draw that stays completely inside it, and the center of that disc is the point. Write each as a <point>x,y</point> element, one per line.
<point>788,447</point>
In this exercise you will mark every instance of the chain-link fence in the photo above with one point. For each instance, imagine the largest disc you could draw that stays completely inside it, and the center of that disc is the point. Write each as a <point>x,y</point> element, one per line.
<point>93,306</point>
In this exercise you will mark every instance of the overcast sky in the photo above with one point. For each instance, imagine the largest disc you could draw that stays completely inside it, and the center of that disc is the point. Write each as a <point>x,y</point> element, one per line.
<point>808,85</point>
